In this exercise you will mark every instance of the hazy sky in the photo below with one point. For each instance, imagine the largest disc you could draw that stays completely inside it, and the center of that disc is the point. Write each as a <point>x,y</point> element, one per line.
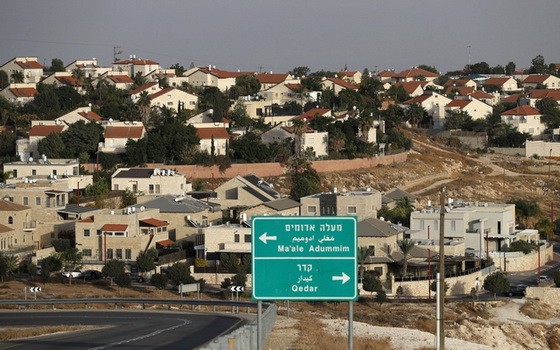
<point>277,35</point>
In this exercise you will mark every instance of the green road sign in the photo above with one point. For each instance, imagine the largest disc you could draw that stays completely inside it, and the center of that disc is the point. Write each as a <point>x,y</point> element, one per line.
<point>304,258</point>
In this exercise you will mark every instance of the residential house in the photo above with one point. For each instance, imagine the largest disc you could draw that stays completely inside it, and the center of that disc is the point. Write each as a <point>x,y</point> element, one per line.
<point>361,203</point>
<point>526,119</point>
<point>489,99</point>
<point>280,207</point>
<point>89,67</point>
<point>119,234</point>
<point>459,83</point>
<point>381,238</point>
<point>184,214</point>
<point>230,238</point>
<point>150,181</point>
<point>354,77</point>
<point>43,168</point>
<point>245,191</point>
<point>16,226</point>
<point>84,114</point>
<point>546,81</point>
<point>392,197</point>
<point>480,226</point>
<point>337,85</point>
<point>313,140</point>
<point>501,84</point>
<point>116,136</point>
<point>413,88</point>
<point>283,93</point>
<point>269,80</point>
<point>212,76</point>
<point>29,67</point>
<point>135,65</point>
<point>174,99</point>
<point>386,76</point>
<point>26,149</point>
<point>206,120</point>
<point>19,93</point>
<point>213,140</point>
<point>434,104</point>
<point>119,81</point>
<point>149,89</point>
<point>314,113</point>
<point>66,79</point>
<point>414,74</point>
<point>536,95</point>
<point>453,91</point>
<point>475,108</point>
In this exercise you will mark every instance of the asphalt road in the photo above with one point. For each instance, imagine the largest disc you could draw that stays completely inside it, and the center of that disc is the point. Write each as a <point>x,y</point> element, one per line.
<point>118,329</point>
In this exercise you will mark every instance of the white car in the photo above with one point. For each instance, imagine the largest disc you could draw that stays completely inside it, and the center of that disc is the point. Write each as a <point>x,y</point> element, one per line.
<point>74,274</point>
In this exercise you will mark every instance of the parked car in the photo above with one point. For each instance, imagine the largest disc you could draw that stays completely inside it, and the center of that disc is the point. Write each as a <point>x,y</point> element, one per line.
<point>517,290</point>
<point>136,278</point>
<point>91,275</point>
<point>543,279</point>
<point>74,274</point>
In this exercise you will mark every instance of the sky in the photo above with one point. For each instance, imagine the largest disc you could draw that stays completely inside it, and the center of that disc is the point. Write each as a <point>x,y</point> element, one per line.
<point>278,35</point>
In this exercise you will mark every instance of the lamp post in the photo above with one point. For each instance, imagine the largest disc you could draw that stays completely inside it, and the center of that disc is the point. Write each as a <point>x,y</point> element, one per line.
<point>441,274</point>
<point>429,268</point>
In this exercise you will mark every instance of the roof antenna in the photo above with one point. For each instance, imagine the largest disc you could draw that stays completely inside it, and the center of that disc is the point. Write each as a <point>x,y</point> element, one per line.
<point>116,52</point>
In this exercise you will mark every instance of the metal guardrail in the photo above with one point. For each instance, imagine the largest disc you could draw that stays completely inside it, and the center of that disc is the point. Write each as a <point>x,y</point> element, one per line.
<point>243,338</point>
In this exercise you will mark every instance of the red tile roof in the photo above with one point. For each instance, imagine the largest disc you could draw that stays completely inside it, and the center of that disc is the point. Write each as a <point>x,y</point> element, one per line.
<point>271,78</point>
<point>343,83</point>
<point>312,113</point>
<point>161,92</point>
<point>481,95</point>
<point>4,229</point>
<point>415,72</point>
<point>294,87</point>
<point>44,130</point>
<point>124,132</point>
<point>456,82</point>
<point>92,116</point>
<point>165,243</point>
<point>67,80</point>
<point>496,81</point>
<point>222,74</point>
<point>24,92</point>
<point>142,88</point>
<point>458,103</point>
<point>346,74</point>
<point>153,222</point>
<point>536,78</point>
<point>410,86</point>
<point>522,110</point>
<point>11,206</point>
<point>114,228</point>
<point>386,73</point>
<point>545,93</point>
<point>462,90</point>
<point>136,62</point>
<point>513,98</point>
<point>121,79</point>
<point>417,99</point>
<point>29,64</point>
<point>208,133</point>
<point>88,219</point>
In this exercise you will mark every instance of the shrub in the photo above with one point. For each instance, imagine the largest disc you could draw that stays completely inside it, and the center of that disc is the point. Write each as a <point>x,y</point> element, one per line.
<point>496,283</point>
<point>159,280</point>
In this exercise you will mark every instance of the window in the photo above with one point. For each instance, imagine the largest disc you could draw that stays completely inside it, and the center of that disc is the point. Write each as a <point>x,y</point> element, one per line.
<point>10,220</point>
<point>119,253</point>
<point>236,238</point>
<point>453,225</point>
<point>436,225</point>
<point>116,187</point>
<point>86,252</point>
<point>14,172</point>
<point>372,250</point>
<point>109,253</point>
<point>134,188</point>
<point>34,172</point>
<point>158,189</point>
<point>312,209</point>
<point>151,189</point>
<point>25,200</point>
<point>86,232</point>
<point>351,210</point>
<point>247,238</point>
<point>128,254</point>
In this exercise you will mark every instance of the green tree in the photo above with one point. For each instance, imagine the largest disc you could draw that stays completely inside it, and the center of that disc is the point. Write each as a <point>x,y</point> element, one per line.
<point>179,69</point>
<point>538,65</point>
<point>371,282</point>
<point>17,76</point>
<point>550,112</point>
<point>123,280</point>
<point>213,98</point>
<point>57,65</point>
<point>4,79</point>
<point>415,114</point>
<point>496,283</point>
<point>239,279</point>
<point>381,297</point>
<point>522,246</point>
<point>139,79</point>
<point>458,120</point>
<point>305,179</point>
<point>300,71</point>
<point>233,264</point>
<point>3,267</point>
<point>429,68</point>
<point>146,262</point>
<point>405,246</point>
<point>71,261</point>
<point>179,273</point>
<point>12,263</point>
<point>524,209</point>
<point>51,263</point>
<point>127,198</point>
<point>247,84</point>
<point>556,278</point>
<point>52,146</point>
<point>7,144</point>
<point>363,254</point>
<point>113,268</point>
<point>81,137</point>
<point>398,93</point>
<point>159,280</point>
<point>510,68</point>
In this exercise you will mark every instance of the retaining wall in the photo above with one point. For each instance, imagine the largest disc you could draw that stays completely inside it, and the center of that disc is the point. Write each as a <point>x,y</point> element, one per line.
<point>521,263</point>
<point>549,295</point>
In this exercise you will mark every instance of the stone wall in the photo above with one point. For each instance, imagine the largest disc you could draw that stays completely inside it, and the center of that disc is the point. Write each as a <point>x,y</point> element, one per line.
<point>542,148</point>
<point>218,278</point>
<point>546,294</point>
<point>508,151</point>
<point>274,169</point>
<point>521,263</point>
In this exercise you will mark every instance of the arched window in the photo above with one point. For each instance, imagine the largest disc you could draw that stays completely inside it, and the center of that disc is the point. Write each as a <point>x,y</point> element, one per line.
<point>10,220</point>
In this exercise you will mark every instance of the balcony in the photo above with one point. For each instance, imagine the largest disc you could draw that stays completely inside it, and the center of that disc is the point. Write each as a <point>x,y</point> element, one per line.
<point>30,226</point>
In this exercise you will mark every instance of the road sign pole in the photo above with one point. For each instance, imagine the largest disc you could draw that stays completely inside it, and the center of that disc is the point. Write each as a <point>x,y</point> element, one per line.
<point>259,323</point>
<point>25,292</point>
<point>350,325</point>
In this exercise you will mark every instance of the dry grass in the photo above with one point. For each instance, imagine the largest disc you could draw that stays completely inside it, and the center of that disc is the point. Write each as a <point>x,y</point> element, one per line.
<point>18,333</point>
<point>312,336</point>
<point>537,310</point>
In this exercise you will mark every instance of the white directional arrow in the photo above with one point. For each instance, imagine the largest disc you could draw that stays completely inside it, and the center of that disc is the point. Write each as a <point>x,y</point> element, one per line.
<point>344,278</point>
<point>266,238</point>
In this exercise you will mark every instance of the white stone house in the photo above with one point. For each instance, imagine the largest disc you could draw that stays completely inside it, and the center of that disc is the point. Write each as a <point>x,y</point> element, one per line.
<point>29,66</point>
<point>150,181</point>
<point>525,119</point>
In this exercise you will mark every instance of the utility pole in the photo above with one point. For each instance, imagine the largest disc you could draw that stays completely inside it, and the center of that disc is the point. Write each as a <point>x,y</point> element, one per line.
<point>441,273</point>
<point>116,53</point>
